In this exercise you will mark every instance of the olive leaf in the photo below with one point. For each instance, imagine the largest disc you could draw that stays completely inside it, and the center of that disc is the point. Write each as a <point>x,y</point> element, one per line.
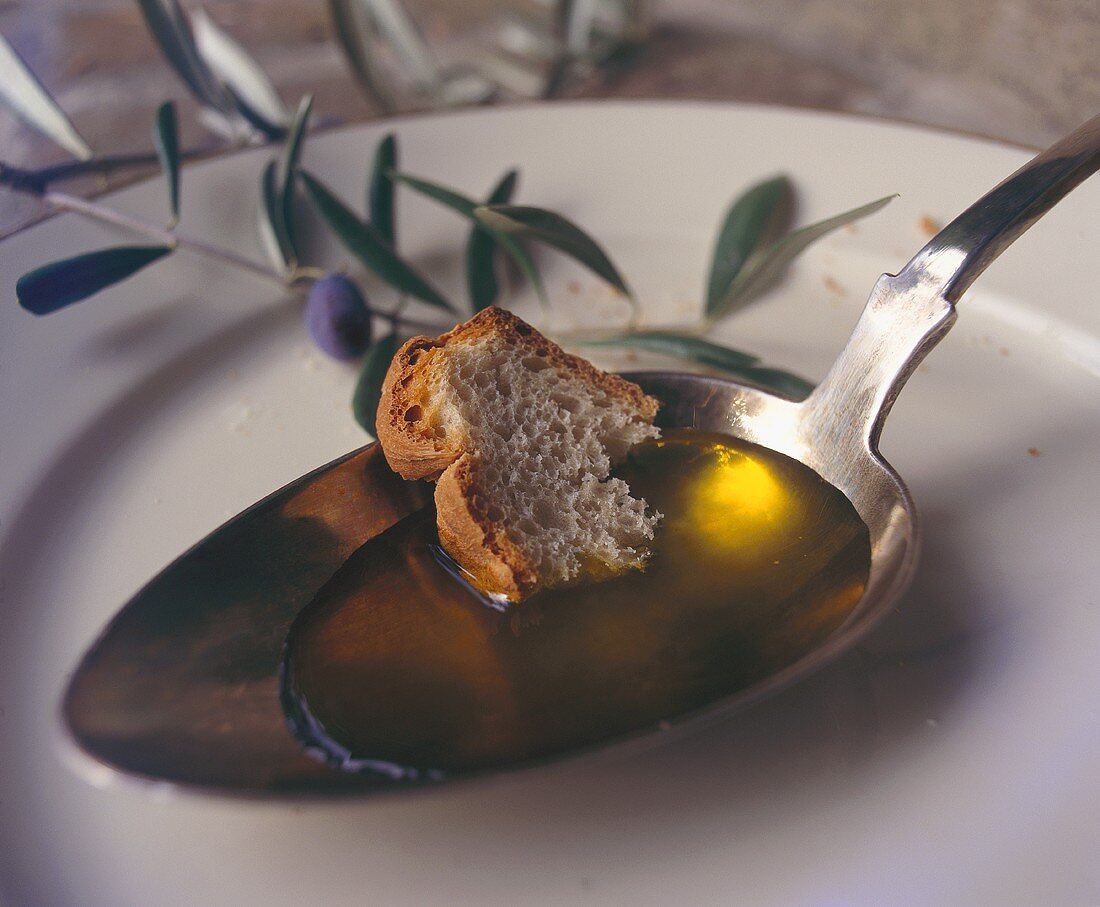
<point>170,28</point>
<point>28,98</point>
<point>276,242</point>
<point>755,219</point>
<point>362,25</point>
<point>368,245</point>
<point>368,388</point>
<point>237,98</point>
<point>239,73</point>
<point>380,208</point>
<point>254,118</point>
<point>166,141</point>
<point>362,63</point>
<point>733,362</point>
<point>526,222</point>
<point>292,150</point>
<point>286,174</point>
<point>61,283</point>
<point>277,193</point>
<point>468,208</point>
<point>481,278</point>
<point>767,264</point>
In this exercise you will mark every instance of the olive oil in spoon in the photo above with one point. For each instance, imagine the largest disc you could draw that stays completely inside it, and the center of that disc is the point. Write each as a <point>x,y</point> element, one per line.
<point>396,667</point>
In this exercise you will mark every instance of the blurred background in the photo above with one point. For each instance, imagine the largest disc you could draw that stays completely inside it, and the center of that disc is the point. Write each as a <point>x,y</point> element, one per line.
<point>1024,71</point>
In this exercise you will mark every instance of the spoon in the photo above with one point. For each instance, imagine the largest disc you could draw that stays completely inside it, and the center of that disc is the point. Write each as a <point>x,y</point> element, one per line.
<point>183,686</point>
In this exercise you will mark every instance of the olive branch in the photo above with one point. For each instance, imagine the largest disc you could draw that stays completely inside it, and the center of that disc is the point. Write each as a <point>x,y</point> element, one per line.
<point>754,245</point>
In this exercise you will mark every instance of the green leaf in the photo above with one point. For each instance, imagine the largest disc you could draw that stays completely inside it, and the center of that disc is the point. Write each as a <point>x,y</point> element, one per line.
<point>28,98</point>
<point>769,263</point>
<point>456,201</point>
<point>166,140</point>
<point>255,119</point>
<point>362,63</point>
<point>170,29</point>
<point>684,346</point>
<point>756,218</point>
<point>62,283</point>
<point>467,207</point>
<point>368,389</point>
<point>481,275</point>
<point>287,173</point>
<point>361,26</point>
<point>240,73</point>
<point>380,209</point>
<point>276,242</point>
<point>526,222</point>
<point>368,245</point>
<point>292,149</point>
<point>733,362</point>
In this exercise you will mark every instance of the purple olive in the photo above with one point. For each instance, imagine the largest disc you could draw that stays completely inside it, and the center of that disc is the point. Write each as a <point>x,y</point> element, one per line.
<point>337,317</point>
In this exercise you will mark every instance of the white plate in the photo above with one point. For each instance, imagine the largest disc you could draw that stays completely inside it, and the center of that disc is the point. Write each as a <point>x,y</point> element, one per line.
<point>954,757</point>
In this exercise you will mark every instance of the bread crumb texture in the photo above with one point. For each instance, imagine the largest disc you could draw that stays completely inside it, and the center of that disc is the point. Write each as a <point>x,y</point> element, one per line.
<point>521,438</point>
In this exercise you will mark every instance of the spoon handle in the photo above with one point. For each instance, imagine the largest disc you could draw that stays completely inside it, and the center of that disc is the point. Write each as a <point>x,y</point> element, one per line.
<point>908,313</point>
<point>962,250</point>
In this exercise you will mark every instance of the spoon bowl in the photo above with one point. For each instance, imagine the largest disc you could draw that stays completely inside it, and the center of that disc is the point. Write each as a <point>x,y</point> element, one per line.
<point>858,471</point>
<point>184,685</point>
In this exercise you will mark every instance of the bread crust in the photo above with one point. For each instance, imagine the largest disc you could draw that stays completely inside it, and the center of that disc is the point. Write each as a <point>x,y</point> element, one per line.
<point>470,537</point>
<point>410,450</point>
<point>414,449</point>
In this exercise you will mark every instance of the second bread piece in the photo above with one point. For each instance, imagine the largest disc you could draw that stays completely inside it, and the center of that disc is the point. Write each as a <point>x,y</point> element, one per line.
<point>521,437</point>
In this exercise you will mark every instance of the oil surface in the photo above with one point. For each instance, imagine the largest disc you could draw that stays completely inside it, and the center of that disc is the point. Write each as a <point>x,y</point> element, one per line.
<point>396,666</point>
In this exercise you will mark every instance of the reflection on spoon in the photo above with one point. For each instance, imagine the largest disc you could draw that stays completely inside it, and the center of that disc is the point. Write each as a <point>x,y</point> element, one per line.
<point>399,668</point>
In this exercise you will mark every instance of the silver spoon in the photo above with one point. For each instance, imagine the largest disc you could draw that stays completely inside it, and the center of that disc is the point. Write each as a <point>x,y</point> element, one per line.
<point>183,685</point>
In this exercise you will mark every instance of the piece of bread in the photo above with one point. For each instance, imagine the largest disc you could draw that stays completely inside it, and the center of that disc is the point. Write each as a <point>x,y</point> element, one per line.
<point>520,437</point>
